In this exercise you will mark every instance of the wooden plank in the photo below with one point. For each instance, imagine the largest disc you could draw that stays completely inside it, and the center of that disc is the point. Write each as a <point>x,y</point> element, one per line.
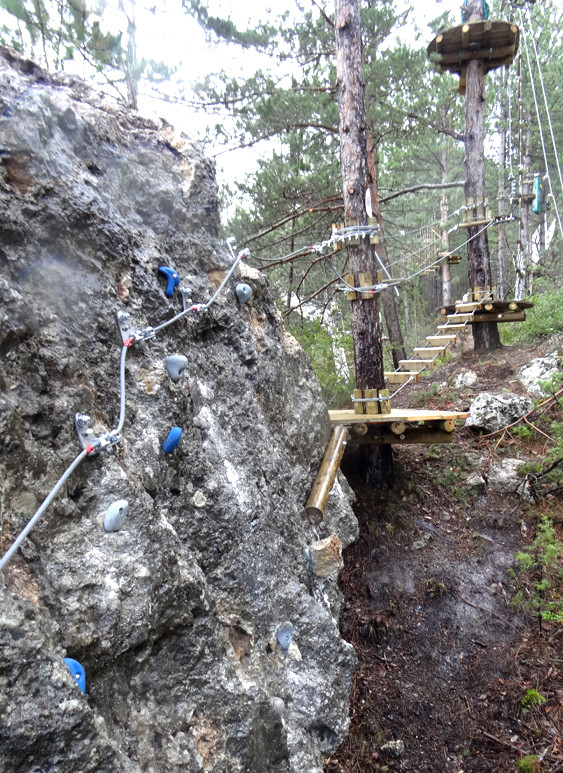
<point>347,416</point>
<point>385,404</point>
<point>416,435</point>
<point>451,327</point>
<point>351,295</point>
<point>465,306</point>
<point>412,364</point>
<point>372,407</point>
<point>442,340</point>
<point>358,407</point>
<point>506,316</point>
<point>366,281</point>
<point>402,376</point>
<point>429,352</point>
<point>458,317</point>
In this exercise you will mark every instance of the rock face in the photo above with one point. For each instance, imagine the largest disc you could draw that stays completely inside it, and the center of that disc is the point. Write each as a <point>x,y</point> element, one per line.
<point>174,615</point>
<point>492,412</point>
<point>536,371</point>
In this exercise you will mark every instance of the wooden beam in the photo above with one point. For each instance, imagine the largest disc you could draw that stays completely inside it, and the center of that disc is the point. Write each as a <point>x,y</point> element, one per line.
<point>420,364</point>
<point>416,435</point>
<point>506,316</point>
<point>429,352</point>
<point>318,498</point>
<point>443,340</point>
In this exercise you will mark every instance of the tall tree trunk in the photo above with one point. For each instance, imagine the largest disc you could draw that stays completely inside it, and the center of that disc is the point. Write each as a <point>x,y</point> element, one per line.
<point>501,283</point>
<point>485,334</point>
<point>387,298</point>
<point>368,351</point>
<point>523,255</point>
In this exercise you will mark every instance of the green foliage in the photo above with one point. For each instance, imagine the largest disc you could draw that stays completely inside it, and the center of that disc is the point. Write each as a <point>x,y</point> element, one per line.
<point>529,764</point>
<point>541,564</point>
<point>532,698</point>
<point>543,320</point>
<point>320,346</point>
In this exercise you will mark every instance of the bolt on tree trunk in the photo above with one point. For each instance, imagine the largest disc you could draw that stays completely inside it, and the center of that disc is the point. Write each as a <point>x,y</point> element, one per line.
<point>366,330</point>
<point>485,334</point>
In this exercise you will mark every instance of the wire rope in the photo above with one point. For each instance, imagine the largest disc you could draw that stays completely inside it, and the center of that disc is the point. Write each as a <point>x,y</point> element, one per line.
<point>534,92</point>
<point>62,480</point>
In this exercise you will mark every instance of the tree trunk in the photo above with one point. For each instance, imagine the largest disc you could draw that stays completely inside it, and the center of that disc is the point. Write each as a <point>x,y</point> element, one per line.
<point>387,298</point>
<point>366,331</point>
<point>501,283</point>
<point>485,334</point>
<point>523,256</point>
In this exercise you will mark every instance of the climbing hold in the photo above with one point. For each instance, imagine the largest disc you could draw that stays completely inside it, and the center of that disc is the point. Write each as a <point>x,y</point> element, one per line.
<point>172,277</point>
<point>283,634</point>
<point>172,440</point>
<point>243,292</point>
<point>115,515</point>
<point>77,671</point>
<point>176,364</point>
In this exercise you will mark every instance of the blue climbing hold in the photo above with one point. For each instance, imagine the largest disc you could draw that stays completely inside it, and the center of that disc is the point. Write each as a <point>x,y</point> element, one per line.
<point>176,364</point>
<point>115,515</point>
<point>172,278</point>
<point>243,292</point>
<point>283,634</point>
<point>172,440</point>
<point>77,671</point>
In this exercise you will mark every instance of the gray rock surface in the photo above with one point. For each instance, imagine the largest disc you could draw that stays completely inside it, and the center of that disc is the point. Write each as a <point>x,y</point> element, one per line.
<point>503,477</point>
<point>492,412</point>
<point>467,378</point>
<point>536,371</point>
<point>173,616</point>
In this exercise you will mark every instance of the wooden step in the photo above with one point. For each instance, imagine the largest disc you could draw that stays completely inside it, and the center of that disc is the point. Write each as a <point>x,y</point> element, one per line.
<point>429,352</point>
<point>459,317</point>
<point>402,376</point>
<point>451,327</point>
<point>415,364</point>
<point>467,305</point>
<point>441,340</point>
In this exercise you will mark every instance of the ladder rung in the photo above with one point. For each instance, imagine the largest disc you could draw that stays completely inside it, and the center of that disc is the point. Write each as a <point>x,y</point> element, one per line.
<point>411,364</point>
<point>451,327</point>
<point>459,317</point>
<point>443,340</point>
<point>467,305</point>
<point>402,376</point>
<point>429,352</point>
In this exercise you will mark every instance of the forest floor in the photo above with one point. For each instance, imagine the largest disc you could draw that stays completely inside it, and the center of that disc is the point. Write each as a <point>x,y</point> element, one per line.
<point>445,658</point>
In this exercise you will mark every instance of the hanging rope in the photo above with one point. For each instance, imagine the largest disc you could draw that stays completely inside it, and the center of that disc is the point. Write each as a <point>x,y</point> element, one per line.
<point>532,82</point>
<point>112,438</point>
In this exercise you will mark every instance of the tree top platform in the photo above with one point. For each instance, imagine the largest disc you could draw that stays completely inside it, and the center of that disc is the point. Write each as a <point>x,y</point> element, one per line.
<point>495,42</point>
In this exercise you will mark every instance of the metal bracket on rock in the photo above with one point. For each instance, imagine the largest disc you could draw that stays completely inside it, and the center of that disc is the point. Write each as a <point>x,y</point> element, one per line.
<point>88,439</point>
<point>128,332</point>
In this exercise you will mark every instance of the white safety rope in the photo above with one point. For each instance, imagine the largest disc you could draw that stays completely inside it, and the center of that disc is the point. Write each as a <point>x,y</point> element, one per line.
<point>114,437</point>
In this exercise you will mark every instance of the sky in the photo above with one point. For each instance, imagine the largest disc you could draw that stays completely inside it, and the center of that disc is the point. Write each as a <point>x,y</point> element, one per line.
<point>172,36</point>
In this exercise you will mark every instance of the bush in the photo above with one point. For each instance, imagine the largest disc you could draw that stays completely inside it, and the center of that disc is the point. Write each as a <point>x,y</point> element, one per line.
<point>543,320</point>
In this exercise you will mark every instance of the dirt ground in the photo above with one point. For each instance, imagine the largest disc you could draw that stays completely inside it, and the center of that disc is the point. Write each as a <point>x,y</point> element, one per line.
<point>444,656</point>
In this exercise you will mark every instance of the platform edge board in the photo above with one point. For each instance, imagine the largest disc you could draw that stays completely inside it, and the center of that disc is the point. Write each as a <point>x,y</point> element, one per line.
<point>397,414</point>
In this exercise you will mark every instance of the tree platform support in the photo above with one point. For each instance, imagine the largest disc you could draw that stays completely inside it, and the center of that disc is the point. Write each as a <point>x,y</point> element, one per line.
<point>400,426</point>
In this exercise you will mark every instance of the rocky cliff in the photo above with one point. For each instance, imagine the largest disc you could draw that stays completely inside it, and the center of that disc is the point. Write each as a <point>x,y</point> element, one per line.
<point>175,616</point>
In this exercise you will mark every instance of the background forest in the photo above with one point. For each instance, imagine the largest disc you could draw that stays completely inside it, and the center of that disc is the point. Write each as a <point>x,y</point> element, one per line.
<point>284,109</point>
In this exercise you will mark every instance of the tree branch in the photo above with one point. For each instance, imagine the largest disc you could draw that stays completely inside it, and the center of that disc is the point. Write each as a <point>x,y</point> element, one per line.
<point>422,187</point>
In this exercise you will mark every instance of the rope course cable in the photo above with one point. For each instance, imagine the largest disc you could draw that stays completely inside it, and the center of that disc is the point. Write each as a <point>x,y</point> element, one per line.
<point>538,114</point>
<point>112,438</point>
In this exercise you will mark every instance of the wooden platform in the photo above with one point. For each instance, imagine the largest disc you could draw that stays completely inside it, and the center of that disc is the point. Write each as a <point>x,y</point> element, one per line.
<point>493,42</point>
<point>402,425</point>
<point>491,311</point>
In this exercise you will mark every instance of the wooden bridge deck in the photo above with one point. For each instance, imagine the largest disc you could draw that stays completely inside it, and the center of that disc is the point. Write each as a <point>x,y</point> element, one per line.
<point>402,425</point>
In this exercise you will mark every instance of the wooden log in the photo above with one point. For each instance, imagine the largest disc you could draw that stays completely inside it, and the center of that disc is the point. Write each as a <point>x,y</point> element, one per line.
<point>513,306</point>
<point>318,498</point>
<point>360,429</point>
<point>398,427</point>
<point>447,425</point>
<point>506,316</point>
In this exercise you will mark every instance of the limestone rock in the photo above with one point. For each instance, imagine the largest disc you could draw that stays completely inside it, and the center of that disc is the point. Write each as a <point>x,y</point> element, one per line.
<point>503,477</point>
<point>467,378</point>
<point>393,749</point>
<point>171,616</point>
<point>540,369</point>
<point>325,556</point>
<point>492,412</point>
